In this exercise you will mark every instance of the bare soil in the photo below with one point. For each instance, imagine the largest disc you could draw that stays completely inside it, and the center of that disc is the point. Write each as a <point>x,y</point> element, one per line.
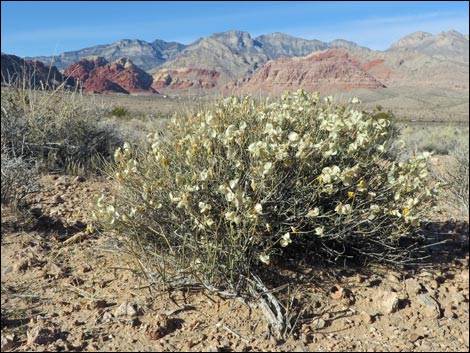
<point>68,289</point>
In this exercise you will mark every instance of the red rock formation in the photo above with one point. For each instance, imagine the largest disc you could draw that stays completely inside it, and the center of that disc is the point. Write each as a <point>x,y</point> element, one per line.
<point>81,70</point>
<point>38,75</point>
<point>121,76</point>
<point>185,78</point>
<point>324,71</point>
<point>377,69</point>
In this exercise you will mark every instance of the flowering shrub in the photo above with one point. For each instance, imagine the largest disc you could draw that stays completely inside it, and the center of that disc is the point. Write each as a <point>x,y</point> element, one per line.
<point>234,188</point>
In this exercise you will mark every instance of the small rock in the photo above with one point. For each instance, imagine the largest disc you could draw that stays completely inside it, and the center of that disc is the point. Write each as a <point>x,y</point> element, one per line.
<point>53,270</point>
<point>434,284</point>
<point>8,342</point>
<point>57,199</point>
<point>458,298</point>
<point>159,328</point>
<point>126,309</point>
<point>79,179</point>
<point>413,287</point>
<point>367,318</point>
<point>337,292</point>
<point>448,313</point>
<point>39,335</point>
<point>7,269</point>
<point>107,316</point>
<point>431,306</point>
<point>393,278</point>
<point>99,304</point>
<point>318,323</point>
<point>21,265</point>
<point>86,268</point>
<point>387,301</point>
<point>414,337</point>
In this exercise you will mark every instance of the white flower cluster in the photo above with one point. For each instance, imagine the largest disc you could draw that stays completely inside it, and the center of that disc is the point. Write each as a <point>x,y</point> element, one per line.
<point>301,163</point>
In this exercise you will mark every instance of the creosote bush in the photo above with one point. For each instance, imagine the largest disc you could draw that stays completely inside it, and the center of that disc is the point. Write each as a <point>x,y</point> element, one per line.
<point>234,189</point>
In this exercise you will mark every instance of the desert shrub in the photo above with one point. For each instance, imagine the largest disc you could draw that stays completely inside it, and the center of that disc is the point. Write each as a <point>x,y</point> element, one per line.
<point>438,139</point>
<point>119,112</point>
<point>19,179</point>
<point>456,176</point>
<point>233,190</point>
<point>56,128</point>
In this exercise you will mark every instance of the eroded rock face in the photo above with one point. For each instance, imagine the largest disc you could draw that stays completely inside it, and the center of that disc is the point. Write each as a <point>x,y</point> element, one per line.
<point>38,75</point>
<point>321,71</point>
<point>121,76</point>
<point>185,78</point>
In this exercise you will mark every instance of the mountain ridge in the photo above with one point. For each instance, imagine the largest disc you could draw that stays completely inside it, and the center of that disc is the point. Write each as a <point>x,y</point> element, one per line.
<point>233,58</point>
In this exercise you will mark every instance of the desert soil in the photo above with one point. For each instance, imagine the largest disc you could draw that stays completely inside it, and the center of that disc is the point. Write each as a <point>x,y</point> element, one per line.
<point>65,290</point>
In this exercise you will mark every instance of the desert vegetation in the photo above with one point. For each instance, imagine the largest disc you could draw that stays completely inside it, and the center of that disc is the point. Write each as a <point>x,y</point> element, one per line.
<point>235,189</point>
<point>221,195</point>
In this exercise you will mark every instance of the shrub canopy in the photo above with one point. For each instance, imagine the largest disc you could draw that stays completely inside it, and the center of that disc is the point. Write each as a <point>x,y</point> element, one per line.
<point>235,188</point>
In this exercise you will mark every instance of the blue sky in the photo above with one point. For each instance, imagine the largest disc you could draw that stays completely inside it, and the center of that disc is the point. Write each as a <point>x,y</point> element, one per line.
<point>34,28</point>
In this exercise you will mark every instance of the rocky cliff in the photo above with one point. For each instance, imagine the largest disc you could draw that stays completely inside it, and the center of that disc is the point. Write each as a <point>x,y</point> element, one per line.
<point>122,76</point>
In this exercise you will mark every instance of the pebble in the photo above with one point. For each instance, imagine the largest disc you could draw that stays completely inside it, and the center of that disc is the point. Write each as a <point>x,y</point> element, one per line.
<point>413,287</point>
<point>413,337</point>
<point>387,301</point>
<point>39,335</point>
<point>21,265</point>
<point>458,298</point>
<point>431,306</point>
<point>126,309</point>
<point>79,179</point>
<point>367,318</point>
<point>8,341</point>
<point>57,199</point>
<point>318,323</point>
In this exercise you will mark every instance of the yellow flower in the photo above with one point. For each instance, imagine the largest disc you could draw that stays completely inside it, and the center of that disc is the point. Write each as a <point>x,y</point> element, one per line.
<point>405,211</point>
<point>253,185</point>
<point>268,228</point>
<point>294,230</point>
<point>89,229</point>
<point>351,194</point>
<point>362,185</point>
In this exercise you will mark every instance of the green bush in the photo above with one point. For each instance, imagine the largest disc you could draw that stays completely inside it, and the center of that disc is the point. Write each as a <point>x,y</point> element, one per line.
<point>119,112</point>
<point>56,128</point>
<point>235,189</point>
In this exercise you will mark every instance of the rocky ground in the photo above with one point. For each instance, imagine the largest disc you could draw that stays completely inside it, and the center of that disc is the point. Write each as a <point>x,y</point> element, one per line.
<point>68,287</point>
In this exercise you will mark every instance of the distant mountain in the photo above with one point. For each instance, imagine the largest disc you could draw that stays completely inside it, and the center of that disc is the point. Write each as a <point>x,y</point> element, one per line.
<point>325,71</point>
<point>14,70</point>
<point>232,58</point>
<point>278,44</point>
<point>234,54</point>
<point>143,54</point>
<point>422,60</point>
<point>185,78</point>
<point>122,76</point>
<point>449,45</point>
